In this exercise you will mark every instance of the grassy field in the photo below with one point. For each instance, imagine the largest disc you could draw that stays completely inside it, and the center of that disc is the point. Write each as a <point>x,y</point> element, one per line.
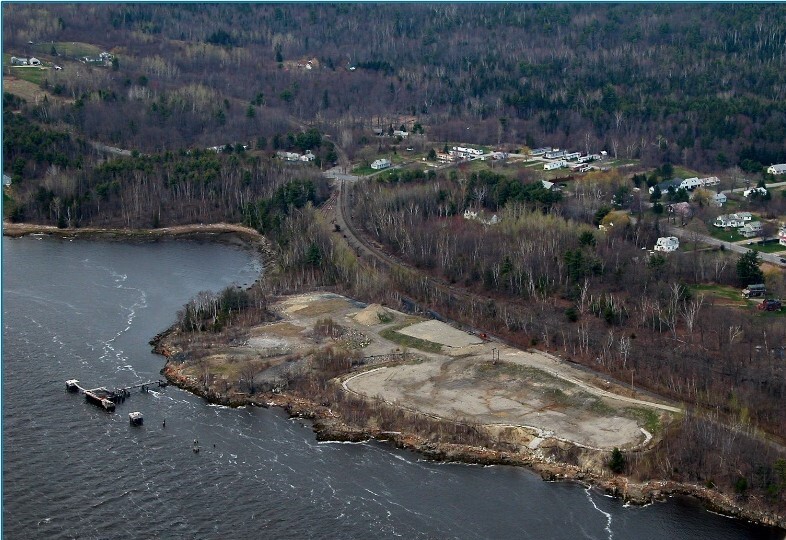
<point>68,49</point>
<point>408,341</point>
<point>772,247</point>
<point>720,291</point>
<point>363,171</point>
<point>30,74</point>
<point>726,236</point>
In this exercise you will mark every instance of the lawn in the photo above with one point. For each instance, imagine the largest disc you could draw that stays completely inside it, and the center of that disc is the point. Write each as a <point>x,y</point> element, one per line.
<point>408,341</point>
<point>726,236</point>
<point>772,247</point>
<point>721,291</point>
<point>363,170</point>
<point>31,74</point>
<point>68,49</point>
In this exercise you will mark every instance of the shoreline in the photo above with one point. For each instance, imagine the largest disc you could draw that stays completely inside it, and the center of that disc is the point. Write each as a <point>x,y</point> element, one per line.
<point>328,426</point>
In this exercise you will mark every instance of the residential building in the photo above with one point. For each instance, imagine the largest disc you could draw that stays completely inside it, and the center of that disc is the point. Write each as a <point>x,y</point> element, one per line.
<point>465,153</point>
<point>759,190</point>
<point>782,235</point>
<point>288,156</point>
<point>664,186</point>
<point>540,151</point>
<point>719,199</point>
<point>442,157</point>
<point>573,155</point>
<point>731,220</point>
<point>6,180</point>
<point>667,244</point>
<point>381,164</point>
<point>556,153</point>
<point>749,230</point>
<point>399,133</point>
<point>308,156</point>
<point>779,168</point>
<point>554,165</point>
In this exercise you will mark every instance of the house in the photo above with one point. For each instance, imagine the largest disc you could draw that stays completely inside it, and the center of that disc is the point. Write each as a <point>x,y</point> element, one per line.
<point>540,151</point>
<point>6,180</point>
<point>378,132</point>
<point>470,214</point>
<point>667,244</point>
<point>19,61</point>
<point>719,199</point>
<point>399,133</point>
<point>288,156</point>
<point>732,220</point>
<point>779,168</point>
<point>757,190</point>
<point>35,62</point>
<point>308,156</point>
<point>782,235</point>
<point>381,164</point>
<point>442,157</point>
<point>554,165</point>
<point>547,185</point>
<point>554,154</point>
<point>465,153</point>
<point>664,186</point>
<point>749,230</point>
<point>728,220</point>
<point>573,155</point>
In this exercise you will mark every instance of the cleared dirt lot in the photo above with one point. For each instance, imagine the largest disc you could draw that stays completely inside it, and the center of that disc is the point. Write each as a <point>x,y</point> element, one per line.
<point>458,376</point>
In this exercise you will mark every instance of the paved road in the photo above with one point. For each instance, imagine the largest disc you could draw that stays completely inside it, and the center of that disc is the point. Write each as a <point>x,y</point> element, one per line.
<point>686,234</point>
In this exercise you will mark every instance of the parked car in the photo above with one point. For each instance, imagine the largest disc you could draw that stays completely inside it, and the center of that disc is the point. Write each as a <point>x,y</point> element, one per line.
<point>770,305</point>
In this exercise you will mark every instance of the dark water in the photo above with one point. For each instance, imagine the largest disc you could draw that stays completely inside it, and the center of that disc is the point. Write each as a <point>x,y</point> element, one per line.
<point>86,310</point>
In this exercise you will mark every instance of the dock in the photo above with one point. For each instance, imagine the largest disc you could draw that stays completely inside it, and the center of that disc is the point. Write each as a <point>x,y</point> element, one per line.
<point>105,398</point>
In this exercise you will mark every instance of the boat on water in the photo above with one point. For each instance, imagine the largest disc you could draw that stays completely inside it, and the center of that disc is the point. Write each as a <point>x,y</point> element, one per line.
<point>135,418</point>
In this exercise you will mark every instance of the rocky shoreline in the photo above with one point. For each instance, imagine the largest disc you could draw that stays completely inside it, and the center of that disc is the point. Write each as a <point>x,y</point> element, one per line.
<point>327,426</point>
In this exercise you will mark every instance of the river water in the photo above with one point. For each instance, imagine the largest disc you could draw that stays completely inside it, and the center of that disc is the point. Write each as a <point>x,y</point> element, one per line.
<point>87,309</point>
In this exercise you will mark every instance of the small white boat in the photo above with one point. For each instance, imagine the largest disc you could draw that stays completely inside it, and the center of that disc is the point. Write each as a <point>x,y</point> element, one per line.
<point>135,418</point>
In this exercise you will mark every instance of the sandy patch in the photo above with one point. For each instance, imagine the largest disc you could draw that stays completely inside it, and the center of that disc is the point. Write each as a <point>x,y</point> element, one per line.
<point>439,332</point>
<point>374,314</point>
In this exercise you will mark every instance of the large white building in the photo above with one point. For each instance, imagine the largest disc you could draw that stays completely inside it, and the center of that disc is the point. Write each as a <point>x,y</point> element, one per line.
<point>779,168</point>
<point>380,164</point>
<point>667,244</point>
<point>554,165</point>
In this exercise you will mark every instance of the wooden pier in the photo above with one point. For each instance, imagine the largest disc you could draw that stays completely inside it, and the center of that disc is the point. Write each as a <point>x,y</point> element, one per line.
<point>105,398</point>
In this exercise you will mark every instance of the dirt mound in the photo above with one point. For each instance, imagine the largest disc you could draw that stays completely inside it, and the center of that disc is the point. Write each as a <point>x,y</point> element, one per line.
<point>374,314</point>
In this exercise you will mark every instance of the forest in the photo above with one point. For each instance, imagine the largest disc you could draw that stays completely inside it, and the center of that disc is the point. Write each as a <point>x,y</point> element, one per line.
<point>699,85</point>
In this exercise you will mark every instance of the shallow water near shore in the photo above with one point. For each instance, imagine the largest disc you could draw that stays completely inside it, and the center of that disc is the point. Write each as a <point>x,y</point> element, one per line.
<point>87,309</point>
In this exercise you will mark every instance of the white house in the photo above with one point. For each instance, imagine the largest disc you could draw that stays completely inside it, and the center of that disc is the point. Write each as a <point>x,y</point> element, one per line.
<point>288,156</point>
<point>381,164</point>
<point>751,191</point>
<point>308,156</point>
<point>779,168</point>
<point>573,155</point>
<point>729,220</point>
<point>782,235</point>
<point>749,230</point>
<point>6,180</point>
<point>35,62</point>
<point>540,151</point>
<point>667,243</point>
<point>399,133</point>
<point>556,153</point>
<point>719,199</point>
<point>442,157</point>
<point>744,216</point>
<point>19,61</point>
<point>554,165</point>
<point>466,153</point>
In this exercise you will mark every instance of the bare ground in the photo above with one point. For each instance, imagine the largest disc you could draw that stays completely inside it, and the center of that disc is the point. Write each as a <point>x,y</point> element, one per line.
<point>536,395</point>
